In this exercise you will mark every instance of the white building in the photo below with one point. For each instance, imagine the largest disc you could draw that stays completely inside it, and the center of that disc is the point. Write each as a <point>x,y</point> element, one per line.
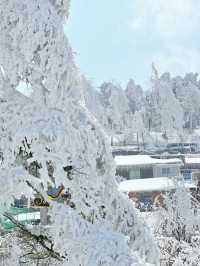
<point>143,166</point>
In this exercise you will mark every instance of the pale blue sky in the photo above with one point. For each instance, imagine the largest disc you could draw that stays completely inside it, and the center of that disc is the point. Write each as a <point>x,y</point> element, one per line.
<point>119,39</point>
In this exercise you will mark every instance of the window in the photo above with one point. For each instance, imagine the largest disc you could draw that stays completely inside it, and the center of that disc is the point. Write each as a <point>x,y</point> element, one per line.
<point>187,174</point>
<point>122,171</point>
<point>146,172</point>
<point>165,171</point>
<point>134,173</point>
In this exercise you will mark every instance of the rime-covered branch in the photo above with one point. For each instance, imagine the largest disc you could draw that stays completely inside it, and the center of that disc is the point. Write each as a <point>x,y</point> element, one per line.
<point>42,240</point>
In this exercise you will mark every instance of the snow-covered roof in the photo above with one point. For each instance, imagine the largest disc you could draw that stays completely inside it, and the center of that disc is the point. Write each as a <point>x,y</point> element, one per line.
<point>128,160</point>
<point>192,160</point>
<point>150,184</point>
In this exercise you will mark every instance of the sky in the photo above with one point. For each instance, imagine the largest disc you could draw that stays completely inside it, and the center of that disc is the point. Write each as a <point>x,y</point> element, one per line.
<point>119,39</point>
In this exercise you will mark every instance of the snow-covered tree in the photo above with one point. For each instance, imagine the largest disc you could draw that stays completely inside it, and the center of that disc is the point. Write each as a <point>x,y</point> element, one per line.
<point>92,100</point>
<point>134,95</point>
<point>166,111</point>
<point>187,91</point>
<point>116,106</point>
<point>51,139</point>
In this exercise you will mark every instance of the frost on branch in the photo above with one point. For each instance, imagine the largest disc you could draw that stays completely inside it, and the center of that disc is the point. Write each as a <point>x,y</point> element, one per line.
<point>62,6</point>
<point>177,230</point>
<point>44,136</point>
<point>39,54</point>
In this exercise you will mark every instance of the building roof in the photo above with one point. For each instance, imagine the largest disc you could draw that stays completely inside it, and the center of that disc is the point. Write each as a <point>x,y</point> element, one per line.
<point>192,160</point>
<point>150,184</point>
<point>128,160</point>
